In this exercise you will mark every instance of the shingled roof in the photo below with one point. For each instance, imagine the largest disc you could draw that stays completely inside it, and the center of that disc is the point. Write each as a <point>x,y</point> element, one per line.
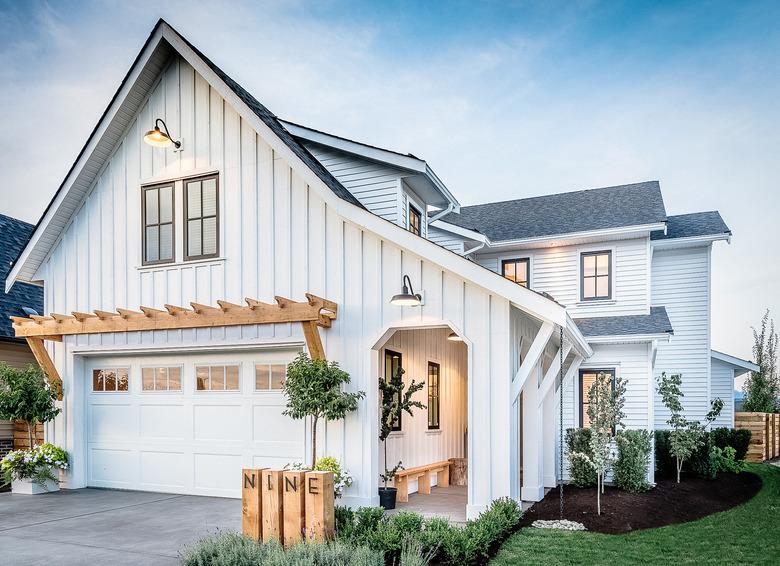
<point>692,225</point>
<point>657,322</point>
<point>13,236</point>
<point>565,213</point>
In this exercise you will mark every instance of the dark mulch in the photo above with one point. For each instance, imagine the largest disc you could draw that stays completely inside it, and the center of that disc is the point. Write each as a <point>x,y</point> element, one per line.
<point>666,504</point>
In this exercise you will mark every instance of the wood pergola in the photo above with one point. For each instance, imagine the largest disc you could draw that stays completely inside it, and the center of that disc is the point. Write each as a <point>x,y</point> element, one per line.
<point>314,313</point>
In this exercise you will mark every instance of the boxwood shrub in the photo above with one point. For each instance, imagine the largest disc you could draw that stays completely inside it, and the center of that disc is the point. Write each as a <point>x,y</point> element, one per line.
<point>630,468</point>
<point>703,462</point>
<point>578,440</point>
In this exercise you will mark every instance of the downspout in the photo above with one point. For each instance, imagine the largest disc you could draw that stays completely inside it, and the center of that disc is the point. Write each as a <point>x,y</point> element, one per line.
<point>442,214</point>
<point>474,249</point>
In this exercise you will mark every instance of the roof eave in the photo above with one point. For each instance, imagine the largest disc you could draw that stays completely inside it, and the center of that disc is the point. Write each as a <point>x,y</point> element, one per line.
<point>690,241</point>
<point>624,338</point>
<point>737,363</point>
<point>637,230</point>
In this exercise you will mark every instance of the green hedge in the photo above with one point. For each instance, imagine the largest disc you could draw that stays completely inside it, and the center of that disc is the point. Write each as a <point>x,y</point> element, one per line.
<point>630,468</point>
<point>578,440</point>
<point>443,543</point>
<point>702,463</point>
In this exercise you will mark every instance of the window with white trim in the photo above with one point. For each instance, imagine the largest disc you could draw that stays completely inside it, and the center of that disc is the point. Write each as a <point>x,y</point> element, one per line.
<point>596,270</point>
<point>270,377</point>
<point>161,378</point>
<point>110,380</point>
<point>217,378</point>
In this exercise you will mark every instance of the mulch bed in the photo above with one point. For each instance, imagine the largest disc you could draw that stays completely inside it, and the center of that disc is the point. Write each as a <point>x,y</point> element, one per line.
<point>666,504</point>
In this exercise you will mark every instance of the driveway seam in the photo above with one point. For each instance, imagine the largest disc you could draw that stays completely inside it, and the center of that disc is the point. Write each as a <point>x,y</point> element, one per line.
<point>113,549</point>
<point>90,513</point>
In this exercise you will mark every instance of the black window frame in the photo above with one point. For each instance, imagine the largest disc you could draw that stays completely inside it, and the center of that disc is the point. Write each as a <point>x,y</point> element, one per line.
<point>526,261</point>
<point>392,354</point>
<point>186,220</point>
<point>583,255</point>
<point>612,371</point>
<point>436,397</point>
<point>158,224</point>
<point>413,209</point>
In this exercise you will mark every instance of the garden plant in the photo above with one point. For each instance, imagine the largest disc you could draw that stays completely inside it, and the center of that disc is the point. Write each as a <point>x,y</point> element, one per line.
<point>37,464</point>
<point>342,479</point>
<point>26,396</point>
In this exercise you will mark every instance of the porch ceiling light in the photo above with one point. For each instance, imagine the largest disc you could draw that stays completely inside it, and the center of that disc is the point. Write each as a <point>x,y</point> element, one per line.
<point>453,337</point>
<point>158,138</point>
<point>407,297</point>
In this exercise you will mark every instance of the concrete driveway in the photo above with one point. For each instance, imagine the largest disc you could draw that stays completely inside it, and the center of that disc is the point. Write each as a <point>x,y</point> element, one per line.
<point>101,526</point>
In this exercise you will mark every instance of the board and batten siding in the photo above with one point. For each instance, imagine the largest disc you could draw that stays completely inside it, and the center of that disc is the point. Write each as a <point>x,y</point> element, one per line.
<point>375,185</point>
<point>722,386</point>
<point>415,445</point>
<point>278,236</point>
<point>681,283</point>
<point>556,271</point>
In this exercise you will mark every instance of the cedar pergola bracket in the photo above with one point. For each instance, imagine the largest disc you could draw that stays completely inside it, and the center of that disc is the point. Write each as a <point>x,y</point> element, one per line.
<point>315,312</point>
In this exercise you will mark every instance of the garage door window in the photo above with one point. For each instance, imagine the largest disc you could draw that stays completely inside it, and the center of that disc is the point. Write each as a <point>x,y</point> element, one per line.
<point>109,380</point>
<point>161,379</point>
<point>217,378</point>
<point>270,377</point>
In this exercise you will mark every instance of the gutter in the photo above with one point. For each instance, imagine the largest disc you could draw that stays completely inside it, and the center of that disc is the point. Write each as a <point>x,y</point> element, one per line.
<point>445,212</point>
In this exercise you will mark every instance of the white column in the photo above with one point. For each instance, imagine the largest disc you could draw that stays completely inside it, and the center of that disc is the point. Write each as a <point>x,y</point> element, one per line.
<point>533,441</point>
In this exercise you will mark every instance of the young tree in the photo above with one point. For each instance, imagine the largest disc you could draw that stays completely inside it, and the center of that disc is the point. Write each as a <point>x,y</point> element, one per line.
<point>313,389</point>
<point>763,386</point>
<point>25,395</point>
<point>605,413</point>
<point>394,401</point>
<point>687,435</point>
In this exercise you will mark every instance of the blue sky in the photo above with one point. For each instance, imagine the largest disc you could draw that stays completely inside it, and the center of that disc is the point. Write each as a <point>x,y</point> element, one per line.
<point>503,99</point>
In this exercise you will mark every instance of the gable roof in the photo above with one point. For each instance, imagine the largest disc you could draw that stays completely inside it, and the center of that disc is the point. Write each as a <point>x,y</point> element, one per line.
<point>657,322</point>
<point>693,225</point>
<point>120,112</point>
<point>741,366</point>
<point>638,204</point>
<point>13,235</point>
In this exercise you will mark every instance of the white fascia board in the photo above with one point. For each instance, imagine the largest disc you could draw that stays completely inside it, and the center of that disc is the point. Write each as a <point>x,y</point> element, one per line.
<point>690,241</point>
<point>737,363</point>
<point>84,156</point>
<point>629,338</point>
<point>574,334</point>
<point>407,162</point>
<point>562,239</point>
<point>459,231</point>
<point>523,298</point>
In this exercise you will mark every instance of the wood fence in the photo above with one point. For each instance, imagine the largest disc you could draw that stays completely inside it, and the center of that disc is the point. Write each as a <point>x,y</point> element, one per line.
<point>22,436</point>
<point>765,434</point>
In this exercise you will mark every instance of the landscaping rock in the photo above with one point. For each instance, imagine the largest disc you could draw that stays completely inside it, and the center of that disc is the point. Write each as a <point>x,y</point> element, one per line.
<point>563,525</point>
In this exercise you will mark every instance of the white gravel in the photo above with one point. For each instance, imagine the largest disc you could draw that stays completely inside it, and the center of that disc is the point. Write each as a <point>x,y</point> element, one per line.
<point>563,525</point>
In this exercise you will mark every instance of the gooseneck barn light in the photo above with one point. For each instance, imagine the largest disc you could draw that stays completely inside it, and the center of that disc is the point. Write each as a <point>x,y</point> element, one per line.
<point>407,297</point>
<point>158,138</point>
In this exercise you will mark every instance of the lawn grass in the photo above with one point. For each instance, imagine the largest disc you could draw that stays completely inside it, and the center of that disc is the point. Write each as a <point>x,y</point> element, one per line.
<point>747,534</point>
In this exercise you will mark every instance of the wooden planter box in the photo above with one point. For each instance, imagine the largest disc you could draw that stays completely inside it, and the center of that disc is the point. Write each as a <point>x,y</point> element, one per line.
<point>765,434</point>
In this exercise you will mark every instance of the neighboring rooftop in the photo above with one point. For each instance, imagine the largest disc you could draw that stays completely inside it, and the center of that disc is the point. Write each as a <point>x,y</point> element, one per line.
<point>657,322</point>
<point>13,236</point>
<point>621,206</point>
<point>692,225</point>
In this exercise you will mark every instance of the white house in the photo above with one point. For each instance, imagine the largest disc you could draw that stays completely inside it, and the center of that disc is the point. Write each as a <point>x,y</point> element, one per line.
<point>253,207</point>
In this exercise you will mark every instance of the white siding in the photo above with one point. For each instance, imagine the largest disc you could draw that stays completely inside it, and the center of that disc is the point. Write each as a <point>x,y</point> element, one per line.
<point>722,379</point>
<point>375,185</point>
<point>415,445</point>
<point>448,240</point>
<point>278,236</point>
<point>681,283</point>
<point>557,272</point>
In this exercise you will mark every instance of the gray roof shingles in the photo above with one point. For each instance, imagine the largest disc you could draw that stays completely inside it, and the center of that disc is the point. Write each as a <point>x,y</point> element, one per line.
<point>657,322</point>
<point>565,213</point>
<point>692,225</point>
<point>13,237</point>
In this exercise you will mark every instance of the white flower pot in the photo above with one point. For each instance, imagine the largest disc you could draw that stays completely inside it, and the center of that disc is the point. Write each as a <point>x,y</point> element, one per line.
<point>29,487</point>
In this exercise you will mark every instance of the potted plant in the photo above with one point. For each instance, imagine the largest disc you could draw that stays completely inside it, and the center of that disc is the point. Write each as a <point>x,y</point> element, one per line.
<point>34,471</point>
<point>342,479</point>
<point>313,389</point>
<point>25,396</point>
<point>394,400</point>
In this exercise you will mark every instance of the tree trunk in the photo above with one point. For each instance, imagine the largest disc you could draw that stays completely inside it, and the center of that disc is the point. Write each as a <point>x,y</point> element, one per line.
<point>314,420</point>
<point>30,428</point>
<point>598,493</point>
<point>385,447</point>
<point>679,466</point>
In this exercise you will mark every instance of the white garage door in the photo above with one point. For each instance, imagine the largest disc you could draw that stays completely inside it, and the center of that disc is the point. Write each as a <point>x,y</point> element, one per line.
<point>187,423</point>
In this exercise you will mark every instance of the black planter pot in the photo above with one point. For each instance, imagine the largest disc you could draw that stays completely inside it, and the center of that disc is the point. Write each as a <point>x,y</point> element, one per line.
<point>387,497</point>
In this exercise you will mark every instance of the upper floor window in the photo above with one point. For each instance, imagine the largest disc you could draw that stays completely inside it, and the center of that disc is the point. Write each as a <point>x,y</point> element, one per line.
<point>596,270</point>
<point>157,215</point>
<point>415,221</point>
<point>516,270</point>
<point>587,379</point>
<point>201,229</point>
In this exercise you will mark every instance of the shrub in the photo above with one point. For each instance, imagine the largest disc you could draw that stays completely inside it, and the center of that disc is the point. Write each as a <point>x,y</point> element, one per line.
<point>578,441</point>
<point>665,466</point>
<point>25,395</point>
<point>233,549</point>
<point>700,462</point>
<point>738,439</point>
<point>724,460</point>
<point>633,459</point>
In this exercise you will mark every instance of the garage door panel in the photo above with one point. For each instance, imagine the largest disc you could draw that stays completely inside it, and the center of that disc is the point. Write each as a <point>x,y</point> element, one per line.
<point>220,472</point>
<point>217,422</point>
<point>163,421</point>
<point>289,450</point>
<point>113,421</point>
<point>164,470</point>
<point>112,466</point>
<point>274,461</point>
<point>269,422</point>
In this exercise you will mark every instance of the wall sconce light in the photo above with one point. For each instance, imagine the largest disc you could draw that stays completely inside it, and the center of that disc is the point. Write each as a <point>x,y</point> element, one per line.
<point>407,297</point>
<point>158,138</point>
<point>452,337</point>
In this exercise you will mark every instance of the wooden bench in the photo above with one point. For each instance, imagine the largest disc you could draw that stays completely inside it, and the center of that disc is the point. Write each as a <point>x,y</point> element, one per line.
<point>423,476</point>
